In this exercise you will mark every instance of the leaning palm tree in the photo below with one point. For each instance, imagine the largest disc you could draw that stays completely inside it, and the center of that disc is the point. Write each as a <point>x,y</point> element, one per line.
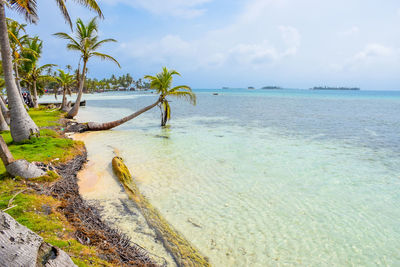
<point>22,126</point>
<point>65,80</point>
<point>86,41</point>
<point>162,83</point>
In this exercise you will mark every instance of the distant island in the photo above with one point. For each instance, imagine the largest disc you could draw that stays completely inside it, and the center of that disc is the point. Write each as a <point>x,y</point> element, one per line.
<point>225,87</point>
<point>251,87</point>
<point>271,87</point>
<point>335,88</point>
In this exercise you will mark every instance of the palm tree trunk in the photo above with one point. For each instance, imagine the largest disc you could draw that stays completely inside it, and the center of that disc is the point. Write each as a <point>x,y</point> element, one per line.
<point>64,100</point>
<point>3,123</point>
<point>74,111</point>
<point>4,110</point>
<point>18,84</point>
<point>35,96</point>
<point>164,116</point>
<point>22,126</point>
<point>95,126</point>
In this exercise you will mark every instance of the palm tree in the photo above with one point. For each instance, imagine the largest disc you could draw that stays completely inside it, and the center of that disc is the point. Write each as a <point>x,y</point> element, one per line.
<point>65,80</point>
<point>68,67</point>
<point>162,83</point>
<point>22,126</point>
<point>16,43</point>
<point>86,42</point>
<point>33,73</point>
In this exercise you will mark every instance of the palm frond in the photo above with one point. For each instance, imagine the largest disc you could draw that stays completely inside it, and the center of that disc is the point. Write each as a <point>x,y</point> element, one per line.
<point>64,11</point>
<point>92,27</point>
<point>65,36</point>
<point>189,96</point>
<point>92,5</point>
<point>26,8</point>
<point>105,57</point>
<point>100,43</point>
<point>167,110</point>
<point>46,66</point>
<point>73,47</point>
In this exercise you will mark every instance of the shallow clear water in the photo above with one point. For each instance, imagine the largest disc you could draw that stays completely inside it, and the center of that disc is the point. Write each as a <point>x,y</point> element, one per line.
<point>260,178</point>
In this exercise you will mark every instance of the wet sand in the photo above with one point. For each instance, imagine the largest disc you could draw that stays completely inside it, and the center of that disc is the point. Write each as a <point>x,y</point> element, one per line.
<point>99,186</point>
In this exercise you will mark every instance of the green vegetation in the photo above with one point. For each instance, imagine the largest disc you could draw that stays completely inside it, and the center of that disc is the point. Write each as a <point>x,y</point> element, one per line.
<point>40,213</point>
<point>126,82</point>
<point>48,147</point>
<point>162,83</point>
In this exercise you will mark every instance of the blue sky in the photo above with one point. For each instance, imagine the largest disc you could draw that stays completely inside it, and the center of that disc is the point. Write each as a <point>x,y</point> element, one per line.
<point>240,43</point>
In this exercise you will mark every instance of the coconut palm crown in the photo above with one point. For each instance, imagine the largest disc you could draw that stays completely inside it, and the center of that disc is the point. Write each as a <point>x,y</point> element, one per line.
<point>162,83</point>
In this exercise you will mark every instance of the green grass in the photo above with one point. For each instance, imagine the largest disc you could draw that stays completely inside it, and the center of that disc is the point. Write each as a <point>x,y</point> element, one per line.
<point>39,212</point>
<point>45,148</point>
<point>45,117</point>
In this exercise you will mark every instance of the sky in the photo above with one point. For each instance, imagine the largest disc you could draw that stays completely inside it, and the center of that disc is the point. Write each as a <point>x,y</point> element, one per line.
<point>239,43</point>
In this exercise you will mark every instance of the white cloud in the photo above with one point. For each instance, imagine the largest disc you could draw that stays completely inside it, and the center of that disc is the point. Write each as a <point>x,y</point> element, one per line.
<point>253,54</point>
<point>178,8</point>
<point>208,51</point>
<point>373,51</point>
<point>372,54</point>
<point>255,9</point>
<point>291,38</point>
<point>352,31</point>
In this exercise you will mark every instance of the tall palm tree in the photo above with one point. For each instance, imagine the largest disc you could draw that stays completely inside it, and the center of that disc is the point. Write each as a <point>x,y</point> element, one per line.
<point>17,42</point>
<point>86,42</point>
<point>22,126</point>
<point>32,72</point>
<point>65,80</point>
<point>162,83</point>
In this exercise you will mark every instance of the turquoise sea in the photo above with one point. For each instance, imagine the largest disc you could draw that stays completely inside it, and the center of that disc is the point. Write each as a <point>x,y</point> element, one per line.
<point>267,177</point>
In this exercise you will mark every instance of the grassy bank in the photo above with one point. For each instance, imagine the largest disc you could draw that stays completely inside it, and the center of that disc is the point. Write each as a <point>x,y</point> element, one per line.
<point>39,212</point>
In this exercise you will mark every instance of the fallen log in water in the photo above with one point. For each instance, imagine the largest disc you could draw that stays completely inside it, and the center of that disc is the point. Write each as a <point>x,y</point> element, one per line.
<point>182,251</point>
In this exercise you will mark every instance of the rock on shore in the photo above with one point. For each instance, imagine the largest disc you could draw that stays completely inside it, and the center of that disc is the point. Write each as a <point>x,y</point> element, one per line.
<point>19,246</point>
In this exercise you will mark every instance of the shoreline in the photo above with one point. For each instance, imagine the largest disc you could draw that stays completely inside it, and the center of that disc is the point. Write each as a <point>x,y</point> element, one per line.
<point>116,208</point>
<point>87,217</point>
<point>91,230</point>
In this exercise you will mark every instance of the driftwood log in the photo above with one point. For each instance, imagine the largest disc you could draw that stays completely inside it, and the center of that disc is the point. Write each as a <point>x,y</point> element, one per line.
<point>181,250</point>
<point>19,246</point>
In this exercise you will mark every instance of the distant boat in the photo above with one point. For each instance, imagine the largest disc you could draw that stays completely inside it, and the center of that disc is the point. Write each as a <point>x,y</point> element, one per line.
<point>335,88</point>
<point>271,87</point>
<point>251,88</point>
